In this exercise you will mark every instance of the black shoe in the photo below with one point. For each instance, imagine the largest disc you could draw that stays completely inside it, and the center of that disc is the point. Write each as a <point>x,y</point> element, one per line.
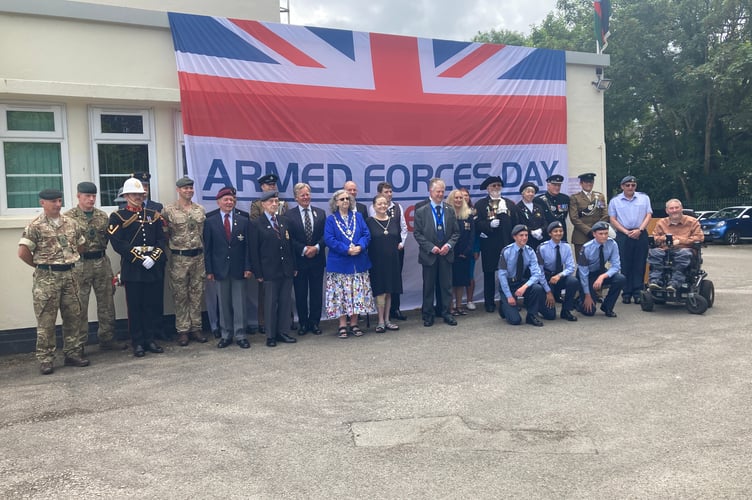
<point>138,351</point>
<point>626,299</point>
<point>217,334</point>
<point>154,347</point>
<point>397,314</point>
<point>490,308</point>
<point>532,320</point>
<point>315,329</point>
<point>271,343</point>
<point>283,337</point>
<point>609,314</point>
<point>567,315</point>
<point>302,331</point>
<point>244,343</point>
<point>428,322</point>
<point>223,343</point>
<point>637,299</point>
<point>449,320</point>
<point>293,326</point>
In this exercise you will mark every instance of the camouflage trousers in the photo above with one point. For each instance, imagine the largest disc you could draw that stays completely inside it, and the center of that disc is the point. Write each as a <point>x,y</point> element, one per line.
<point>96,274</point>
<point>187,276</point>
<point>53,291</point>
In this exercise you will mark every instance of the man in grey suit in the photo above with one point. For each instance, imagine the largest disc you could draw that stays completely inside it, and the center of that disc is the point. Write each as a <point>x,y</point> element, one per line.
<point>436,231</point>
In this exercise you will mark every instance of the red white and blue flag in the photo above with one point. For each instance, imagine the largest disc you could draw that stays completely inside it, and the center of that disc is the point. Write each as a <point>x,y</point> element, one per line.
<point>324,106</point>
<point>602,14</point>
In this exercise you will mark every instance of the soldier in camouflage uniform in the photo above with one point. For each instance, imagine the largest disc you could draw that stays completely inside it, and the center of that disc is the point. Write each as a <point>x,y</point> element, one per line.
<point>94,270</point>
<point>51,243</point>
<point>185,227</point>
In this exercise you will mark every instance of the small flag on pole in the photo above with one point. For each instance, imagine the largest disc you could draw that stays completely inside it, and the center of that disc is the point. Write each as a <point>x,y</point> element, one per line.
<point>602,15</point>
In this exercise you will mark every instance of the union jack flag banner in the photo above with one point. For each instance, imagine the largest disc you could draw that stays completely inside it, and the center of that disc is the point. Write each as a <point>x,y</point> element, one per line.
<point>325,106</point>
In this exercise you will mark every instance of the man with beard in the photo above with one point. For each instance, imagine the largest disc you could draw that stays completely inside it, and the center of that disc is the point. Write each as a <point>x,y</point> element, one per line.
<point>495,217</point>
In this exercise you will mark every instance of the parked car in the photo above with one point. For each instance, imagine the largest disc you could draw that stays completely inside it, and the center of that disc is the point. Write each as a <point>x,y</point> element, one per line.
<point>730,225</point>
<point>704,214</point>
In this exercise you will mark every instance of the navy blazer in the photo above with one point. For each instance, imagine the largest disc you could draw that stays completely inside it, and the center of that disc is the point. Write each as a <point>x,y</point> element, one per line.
<point>226,259</point>
<point>294,218</point>
<point>271,256</point>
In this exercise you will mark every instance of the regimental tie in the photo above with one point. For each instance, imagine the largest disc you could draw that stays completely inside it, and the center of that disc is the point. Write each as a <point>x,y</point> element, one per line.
<point>559,265</point>
<point>520,264</point>
<point>601,260</point>
<point>308,226</point>
<point>228,230</point>
<point>276,226</point>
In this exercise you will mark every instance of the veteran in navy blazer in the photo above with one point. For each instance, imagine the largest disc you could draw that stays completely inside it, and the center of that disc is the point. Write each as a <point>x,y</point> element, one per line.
<point>273,265</point>
<point>227,263</point>
<point>308,248</point>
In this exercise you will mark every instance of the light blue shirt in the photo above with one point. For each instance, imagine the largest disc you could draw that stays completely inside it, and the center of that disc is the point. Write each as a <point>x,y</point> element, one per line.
<point>589,260</point>
<point>508,267</point>
<point>630,213</point>
<point>547,259</point>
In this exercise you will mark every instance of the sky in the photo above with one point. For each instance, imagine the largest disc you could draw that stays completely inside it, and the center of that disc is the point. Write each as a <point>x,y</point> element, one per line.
<point>444,19</point>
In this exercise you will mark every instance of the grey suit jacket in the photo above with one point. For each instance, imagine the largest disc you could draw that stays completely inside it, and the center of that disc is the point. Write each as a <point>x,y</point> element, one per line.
<point>425,233</point>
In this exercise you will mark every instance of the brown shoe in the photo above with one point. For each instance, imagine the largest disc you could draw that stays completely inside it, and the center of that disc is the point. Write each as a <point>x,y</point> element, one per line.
<point>198,337</point>
<point>76,360</point>
<point>111,345</point>
<point>46,368</point>
<point>182,339</point>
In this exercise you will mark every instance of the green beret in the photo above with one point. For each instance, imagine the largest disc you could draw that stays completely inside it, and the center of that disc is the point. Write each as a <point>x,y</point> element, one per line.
<point>87,188</point>
<point>184,181</point>
<point>50,194</point>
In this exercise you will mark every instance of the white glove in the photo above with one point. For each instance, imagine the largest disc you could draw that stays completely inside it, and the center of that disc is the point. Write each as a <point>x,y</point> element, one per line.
<point>148,262</point>
<point>537,233</point>
<point>495,223</point>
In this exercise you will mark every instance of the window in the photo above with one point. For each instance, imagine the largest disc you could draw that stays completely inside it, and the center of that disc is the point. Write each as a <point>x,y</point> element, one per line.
<point>33,154</point>
<point>182,160</point>
<point>123,143</point>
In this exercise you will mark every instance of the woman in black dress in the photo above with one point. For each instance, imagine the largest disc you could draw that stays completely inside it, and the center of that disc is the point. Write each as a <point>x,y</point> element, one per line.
<point>463,250</point>
<point>383,251</point>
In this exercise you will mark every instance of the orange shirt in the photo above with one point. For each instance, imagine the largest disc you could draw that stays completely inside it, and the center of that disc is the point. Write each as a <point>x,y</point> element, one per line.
<point>685,232</point>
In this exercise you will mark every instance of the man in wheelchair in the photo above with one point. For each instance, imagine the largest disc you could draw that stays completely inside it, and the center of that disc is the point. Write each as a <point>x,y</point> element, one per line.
<point>673,240</point>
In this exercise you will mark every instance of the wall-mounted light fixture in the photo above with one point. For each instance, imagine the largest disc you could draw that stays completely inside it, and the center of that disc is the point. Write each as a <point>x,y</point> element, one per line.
<point>601,84</point>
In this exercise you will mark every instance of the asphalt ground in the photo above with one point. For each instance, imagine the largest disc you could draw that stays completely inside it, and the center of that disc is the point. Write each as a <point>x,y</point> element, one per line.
<point>646,405</point>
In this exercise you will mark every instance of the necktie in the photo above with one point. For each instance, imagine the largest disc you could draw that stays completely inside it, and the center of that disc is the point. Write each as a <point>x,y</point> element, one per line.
<point>601,261</point>
<point>559,266</point>
<point>520,265</point>
<point>308,225</point>
<point>440,225</point>
<point>275,226</point>
<point>228,231</point>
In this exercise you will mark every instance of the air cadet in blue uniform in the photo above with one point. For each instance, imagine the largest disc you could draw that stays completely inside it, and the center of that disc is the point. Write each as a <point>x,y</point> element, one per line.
<point>519,277</point>
<point>556,259</point>
<point>137,234</point>
<point>594,275</point>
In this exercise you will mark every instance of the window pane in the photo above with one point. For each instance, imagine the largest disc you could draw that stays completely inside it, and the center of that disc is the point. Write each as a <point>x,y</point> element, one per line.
<point>108,189</point>
<point>123,159</point>
<point>23,192</point>
<point>35,121</point>
<point>32,158</point>
<point>122,124</point>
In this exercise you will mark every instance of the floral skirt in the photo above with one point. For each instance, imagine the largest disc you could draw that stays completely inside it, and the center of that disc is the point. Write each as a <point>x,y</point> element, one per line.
<point>348,294</point>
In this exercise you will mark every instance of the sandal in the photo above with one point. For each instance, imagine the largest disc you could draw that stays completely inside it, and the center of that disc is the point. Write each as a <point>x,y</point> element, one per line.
<point>462,311</point>
<point>356,331</point>
<point>391,326</point>
<point>455,312</point>
<point>342,332</point>
<point>380,329</point>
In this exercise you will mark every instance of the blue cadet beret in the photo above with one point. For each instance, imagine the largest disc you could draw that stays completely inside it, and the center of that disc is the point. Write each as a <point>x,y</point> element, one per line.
<point>144,177</point>
<point>529,185</point>
<point>50,194</point>
<point>87,188</point>
<point>588,177</point>
<point>225,191</point>
<point>554,225</point>
<point>629,178</point>
<point>518,229</point>
<point>266,195</point>
<point>555,179</point>
<point>184,181</point>
<point>268,179</point>
<point>600,226</point>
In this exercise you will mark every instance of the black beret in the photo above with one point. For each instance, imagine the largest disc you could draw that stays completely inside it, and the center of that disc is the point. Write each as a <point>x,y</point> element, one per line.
<point>518,229</point>
<point>600,226</point>
<point>554,225</point>
<point>225,191</point>
<point>144,177</point>
<point>555,179</point>
<point>490,180</point>
<point>588,177</point>
<point>266,195</point>
<point>50,194</point>
<point>87,188</point>
<point>184,181</point>
<point>529,185</point>
<point>268,179</point>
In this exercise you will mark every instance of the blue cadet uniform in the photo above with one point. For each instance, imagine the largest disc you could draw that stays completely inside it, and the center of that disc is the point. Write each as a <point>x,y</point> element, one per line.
<point>591,265</point>
<point>557,260</point>
<point>514,275</point>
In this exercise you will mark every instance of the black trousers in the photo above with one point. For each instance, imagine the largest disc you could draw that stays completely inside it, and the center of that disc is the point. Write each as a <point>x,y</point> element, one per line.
<point>144,303</point>
<point>395,304</point>
<point>489,288</point>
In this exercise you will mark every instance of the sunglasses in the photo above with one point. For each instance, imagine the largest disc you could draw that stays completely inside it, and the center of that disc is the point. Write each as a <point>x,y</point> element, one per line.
<point>343,199</point>
<point>630,184</point>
